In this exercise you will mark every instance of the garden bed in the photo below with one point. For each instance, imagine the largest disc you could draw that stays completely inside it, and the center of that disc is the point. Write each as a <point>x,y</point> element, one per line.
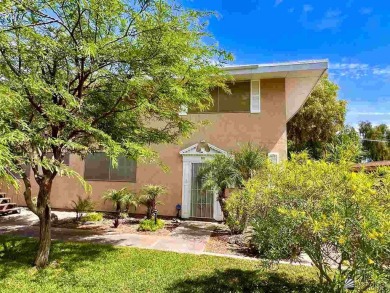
<point>127,225</point>
<point>223,242</point>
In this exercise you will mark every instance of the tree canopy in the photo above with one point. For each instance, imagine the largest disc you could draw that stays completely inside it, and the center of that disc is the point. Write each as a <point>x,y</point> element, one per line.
<point>376,141</point>
<point>109,75</point>
<point>321,117</point>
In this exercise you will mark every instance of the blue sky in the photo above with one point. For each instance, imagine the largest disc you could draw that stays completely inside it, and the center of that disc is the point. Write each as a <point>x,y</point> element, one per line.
<point>353,34</point>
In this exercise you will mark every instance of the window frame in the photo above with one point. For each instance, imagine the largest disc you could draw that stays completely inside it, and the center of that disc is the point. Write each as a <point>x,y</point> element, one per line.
<point>189,112</point>
<point>130,180</point>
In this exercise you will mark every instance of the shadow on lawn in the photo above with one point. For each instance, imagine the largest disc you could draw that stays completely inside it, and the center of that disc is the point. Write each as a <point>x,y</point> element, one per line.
<point>235,280</point>
<point>17,253</point>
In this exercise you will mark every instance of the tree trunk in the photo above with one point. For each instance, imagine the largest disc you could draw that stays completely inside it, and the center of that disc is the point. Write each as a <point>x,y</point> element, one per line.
<point>222,201</point>
<point>42,258</point>
<point>43,211</point>
<point>118,214</point>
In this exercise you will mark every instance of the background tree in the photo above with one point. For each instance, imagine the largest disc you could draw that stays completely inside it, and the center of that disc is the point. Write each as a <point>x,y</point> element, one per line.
<point>320,118</point>
<point>346,146</point>
<point>82,76</point>
<point>376,141</point>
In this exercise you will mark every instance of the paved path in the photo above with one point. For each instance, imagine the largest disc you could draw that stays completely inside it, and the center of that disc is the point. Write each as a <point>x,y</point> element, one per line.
<point>190,236</point>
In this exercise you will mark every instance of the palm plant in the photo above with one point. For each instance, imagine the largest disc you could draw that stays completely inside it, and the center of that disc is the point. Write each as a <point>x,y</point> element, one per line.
<point>82,205</point>
<point>148,197</point>
<point>249,160</point>
<point>219,174</point>
<point>231,171</point>
<point>119,198</point>
<point>130,200</point>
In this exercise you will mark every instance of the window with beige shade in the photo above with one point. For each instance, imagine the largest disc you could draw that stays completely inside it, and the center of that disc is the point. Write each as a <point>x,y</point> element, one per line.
<point>98,166</point>
<point>237,101</point>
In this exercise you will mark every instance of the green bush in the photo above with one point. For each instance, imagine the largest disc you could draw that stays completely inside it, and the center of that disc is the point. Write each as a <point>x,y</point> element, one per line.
<point>92,217</point>
<point>241,206</point>
<point>149,225</point>
<point>340,219</point>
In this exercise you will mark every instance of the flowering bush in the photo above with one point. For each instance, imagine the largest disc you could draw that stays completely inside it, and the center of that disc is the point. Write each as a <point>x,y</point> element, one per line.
<point>340,219</point>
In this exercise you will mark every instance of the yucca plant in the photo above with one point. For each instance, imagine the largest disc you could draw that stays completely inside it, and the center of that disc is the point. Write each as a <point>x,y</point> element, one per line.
<point>120,198</point>
<point>148,197</point>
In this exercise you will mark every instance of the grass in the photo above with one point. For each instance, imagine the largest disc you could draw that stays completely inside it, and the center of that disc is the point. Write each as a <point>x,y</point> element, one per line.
<point>81,267</point>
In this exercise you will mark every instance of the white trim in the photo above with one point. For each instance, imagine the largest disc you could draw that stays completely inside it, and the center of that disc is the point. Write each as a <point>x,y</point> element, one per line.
<point>190,156</point>
<point>187,151</point>
<point>255,99</point>
<point>275,67</point>
<point>277,157</point>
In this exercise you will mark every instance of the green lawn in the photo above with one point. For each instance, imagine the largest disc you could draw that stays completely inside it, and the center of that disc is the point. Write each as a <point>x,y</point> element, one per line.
<point>77,267</point>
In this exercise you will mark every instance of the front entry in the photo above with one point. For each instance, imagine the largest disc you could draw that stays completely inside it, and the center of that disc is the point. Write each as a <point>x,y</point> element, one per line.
<point>197,202</point>
<point>201,199</point>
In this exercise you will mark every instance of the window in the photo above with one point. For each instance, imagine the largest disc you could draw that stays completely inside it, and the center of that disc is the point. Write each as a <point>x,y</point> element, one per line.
<point>237,101</point>
<point>273,157</point>
<point>99,167</point>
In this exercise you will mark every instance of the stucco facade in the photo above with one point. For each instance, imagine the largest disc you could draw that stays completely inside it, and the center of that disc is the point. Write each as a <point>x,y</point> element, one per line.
<point>224,130</point>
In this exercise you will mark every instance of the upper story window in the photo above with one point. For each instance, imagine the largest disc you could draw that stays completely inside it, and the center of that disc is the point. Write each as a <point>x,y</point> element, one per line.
<point>98,167</point>
<point>236,101</point>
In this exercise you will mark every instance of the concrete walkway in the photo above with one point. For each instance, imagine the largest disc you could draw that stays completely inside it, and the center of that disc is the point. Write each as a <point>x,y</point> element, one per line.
<point>189,237</point>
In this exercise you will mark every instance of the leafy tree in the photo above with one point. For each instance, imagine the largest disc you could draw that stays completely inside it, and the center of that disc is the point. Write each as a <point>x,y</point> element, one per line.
<point>82,76</point>
<point>346,146</point>
<point>148,197</point>
<point>320,118</point>
<point>339,218</point>
<point>376,141</point>
<point>230,171</point>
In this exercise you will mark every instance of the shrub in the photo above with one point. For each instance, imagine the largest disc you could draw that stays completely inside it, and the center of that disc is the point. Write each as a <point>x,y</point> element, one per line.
<point>241,206</point>
<point>92,217</point>
<point>82,205</point>
<point>149,225</point>
<point>148,197</point>
<point>338,218</point>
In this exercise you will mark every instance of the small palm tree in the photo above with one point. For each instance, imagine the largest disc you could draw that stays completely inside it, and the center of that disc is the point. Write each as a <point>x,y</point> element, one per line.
<point>231,171</point>
<point>249,160</point>
<point>130,200</point>
<point>219,174</point>
<point>119,198</point>
<point>148,197</point>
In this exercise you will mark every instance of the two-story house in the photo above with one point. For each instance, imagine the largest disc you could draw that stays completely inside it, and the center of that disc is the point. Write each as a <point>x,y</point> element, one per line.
<point>263,98</point>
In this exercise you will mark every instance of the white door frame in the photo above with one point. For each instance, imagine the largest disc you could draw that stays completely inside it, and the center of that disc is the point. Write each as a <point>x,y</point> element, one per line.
<point>192,156</point>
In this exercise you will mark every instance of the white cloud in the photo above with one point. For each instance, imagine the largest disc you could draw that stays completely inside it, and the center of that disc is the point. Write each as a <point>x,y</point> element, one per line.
<point>352,70</point>
<point>278,2</point>
<point>381,71</point>
<point>331,19</point>
<point>307,8</point>
<point>365,10</point>
<point>358,70</point>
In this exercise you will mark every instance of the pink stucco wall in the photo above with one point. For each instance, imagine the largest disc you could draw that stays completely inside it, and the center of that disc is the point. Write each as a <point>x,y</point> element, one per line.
<point>225,130</point>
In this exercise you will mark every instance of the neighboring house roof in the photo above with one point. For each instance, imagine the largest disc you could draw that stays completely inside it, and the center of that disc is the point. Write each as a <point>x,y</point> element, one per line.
<point>301,77</point>
<point>370,166</point>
